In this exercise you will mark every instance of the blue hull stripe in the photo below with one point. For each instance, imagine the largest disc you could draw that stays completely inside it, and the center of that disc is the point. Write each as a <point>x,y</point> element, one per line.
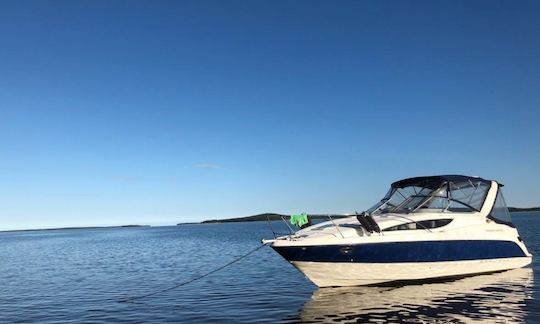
<point>419,251</point>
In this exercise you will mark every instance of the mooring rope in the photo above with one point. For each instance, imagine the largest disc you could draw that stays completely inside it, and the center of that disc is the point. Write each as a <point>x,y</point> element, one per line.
<point>130,299</point>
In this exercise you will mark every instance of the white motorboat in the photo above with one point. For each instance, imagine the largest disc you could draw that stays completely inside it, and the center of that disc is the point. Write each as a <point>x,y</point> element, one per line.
<point>425,227</point>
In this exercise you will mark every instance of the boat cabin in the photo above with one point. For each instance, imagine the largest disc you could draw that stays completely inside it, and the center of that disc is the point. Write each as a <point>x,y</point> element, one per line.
<point>443,194</point>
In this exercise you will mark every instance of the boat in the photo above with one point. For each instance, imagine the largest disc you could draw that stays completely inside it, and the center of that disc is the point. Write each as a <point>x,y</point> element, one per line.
<point>426,227</point>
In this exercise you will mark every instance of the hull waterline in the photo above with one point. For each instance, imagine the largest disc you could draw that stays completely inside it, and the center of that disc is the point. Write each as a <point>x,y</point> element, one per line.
<point>332,274</point>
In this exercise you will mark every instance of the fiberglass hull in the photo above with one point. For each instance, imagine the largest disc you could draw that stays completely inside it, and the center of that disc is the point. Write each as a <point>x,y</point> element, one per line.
<point>375,263</point>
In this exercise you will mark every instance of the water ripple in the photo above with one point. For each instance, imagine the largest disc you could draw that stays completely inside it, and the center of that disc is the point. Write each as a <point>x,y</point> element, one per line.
<point>79,275</point>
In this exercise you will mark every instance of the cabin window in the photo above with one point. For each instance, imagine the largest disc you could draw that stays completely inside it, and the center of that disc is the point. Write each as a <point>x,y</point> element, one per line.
<point>467,194</point>
<point>500,212</point>
<point>429,224</point>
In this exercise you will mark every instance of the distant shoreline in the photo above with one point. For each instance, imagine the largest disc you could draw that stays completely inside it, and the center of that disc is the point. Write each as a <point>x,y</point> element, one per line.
<point>71,228</point>
<point>258,218</point>
<point>255,218</point>
<point>273,216</point>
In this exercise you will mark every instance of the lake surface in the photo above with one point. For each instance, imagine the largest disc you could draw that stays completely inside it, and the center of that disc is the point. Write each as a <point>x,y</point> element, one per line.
<point>80,275</point>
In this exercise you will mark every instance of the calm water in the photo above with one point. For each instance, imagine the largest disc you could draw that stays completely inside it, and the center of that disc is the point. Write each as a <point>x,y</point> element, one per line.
<point>79,275</point>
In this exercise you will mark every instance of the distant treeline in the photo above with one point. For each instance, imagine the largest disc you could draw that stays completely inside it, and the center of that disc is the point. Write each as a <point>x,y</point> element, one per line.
<point>254,218</point>
<point>262,217</point>
<point>274,216</point>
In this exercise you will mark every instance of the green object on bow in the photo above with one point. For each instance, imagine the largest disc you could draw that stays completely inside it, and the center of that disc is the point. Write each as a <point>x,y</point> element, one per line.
<point>299,220</point>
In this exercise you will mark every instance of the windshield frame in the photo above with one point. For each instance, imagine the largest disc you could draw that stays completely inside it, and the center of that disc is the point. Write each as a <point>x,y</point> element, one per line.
<point>431,189</point>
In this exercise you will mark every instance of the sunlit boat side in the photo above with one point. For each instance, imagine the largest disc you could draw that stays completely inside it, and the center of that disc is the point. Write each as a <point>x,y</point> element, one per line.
<point>425,227</point>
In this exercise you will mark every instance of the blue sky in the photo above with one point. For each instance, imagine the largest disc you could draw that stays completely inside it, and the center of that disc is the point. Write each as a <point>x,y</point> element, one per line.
<point>157,112</point>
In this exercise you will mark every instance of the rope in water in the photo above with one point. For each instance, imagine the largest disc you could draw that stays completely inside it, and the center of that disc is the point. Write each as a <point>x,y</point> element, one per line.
<point>130,299</point>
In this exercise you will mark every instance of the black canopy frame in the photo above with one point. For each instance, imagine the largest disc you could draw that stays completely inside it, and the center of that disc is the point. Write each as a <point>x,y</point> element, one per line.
<point>436,183</point>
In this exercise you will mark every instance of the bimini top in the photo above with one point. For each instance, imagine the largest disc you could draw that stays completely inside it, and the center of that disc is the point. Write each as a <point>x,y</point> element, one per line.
<point>442,193</point>
<point>434,182</point>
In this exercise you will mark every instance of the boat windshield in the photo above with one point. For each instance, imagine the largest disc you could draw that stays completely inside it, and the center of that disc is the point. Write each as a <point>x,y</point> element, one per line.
<point>433,194</point>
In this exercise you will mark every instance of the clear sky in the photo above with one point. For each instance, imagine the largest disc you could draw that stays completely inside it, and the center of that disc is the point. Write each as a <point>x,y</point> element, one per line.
<point>156,112</point>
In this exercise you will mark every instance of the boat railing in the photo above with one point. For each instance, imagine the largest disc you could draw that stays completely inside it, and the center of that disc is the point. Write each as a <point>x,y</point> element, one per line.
<point>291,231</point>
<point>330,217</point>
<point>337,227</point>
<point>277,234</point>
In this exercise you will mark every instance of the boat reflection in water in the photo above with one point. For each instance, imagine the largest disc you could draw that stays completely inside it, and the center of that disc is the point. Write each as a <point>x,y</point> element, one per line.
<point>497,297</point>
